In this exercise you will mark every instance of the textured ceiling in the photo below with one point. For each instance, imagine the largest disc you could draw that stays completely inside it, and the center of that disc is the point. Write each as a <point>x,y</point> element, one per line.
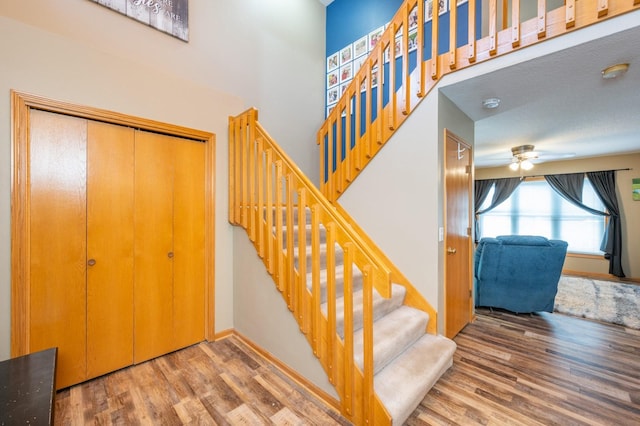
<point>558,102</point>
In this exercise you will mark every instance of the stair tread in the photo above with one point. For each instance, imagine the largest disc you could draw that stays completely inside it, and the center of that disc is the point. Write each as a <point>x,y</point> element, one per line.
<point>381,307</point>
<point>415,371</point>
<point>392,334</point>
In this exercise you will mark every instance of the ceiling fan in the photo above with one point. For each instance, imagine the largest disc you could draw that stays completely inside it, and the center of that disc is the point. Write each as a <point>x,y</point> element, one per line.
<point>522,156</point>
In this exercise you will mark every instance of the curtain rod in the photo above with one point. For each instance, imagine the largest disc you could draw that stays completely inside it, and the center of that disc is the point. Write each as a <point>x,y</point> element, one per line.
<point>591,171</point>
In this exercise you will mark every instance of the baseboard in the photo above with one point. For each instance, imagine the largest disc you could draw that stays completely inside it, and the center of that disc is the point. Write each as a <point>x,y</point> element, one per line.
<point>292,374</point>
<point>598,276</point>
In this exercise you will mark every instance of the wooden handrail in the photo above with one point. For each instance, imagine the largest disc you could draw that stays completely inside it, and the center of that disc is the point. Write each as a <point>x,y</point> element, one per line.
<point>373,130</point>
<point>266,191</point>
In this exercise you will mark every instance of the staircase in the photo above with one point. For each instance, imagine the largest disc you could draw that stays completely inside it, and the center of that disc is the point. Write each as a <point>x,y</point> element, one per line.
<point>372,332</point>
<point>384,93</point>
<point>407,361</point>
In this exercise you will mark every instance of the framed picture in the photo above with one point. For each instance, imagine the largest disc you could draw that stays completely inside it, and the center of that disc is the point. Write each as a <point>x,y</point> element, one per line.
<point>357,64</point>
<point>635,189</point>
<point>332,78</point>
<point>413,18</point>
<point>332,62</point>
<point>344,86</point>
<point>413,40</point>
<point>374,80</point>
<point>330,109</point>
<point>346,55</point>
<point>170,17</point>
<point>442,8</point>
<point>360,47</point>
<point>333,95</point>
<point>374,36</point>
<point>346,72</point>
<point>398,47</point>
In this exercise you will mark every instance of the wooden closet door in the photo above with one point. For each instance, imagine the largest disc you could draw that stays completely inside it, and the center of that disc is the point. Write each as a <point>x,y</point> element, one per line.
<point>153,287</point>
<point>189,272</point>
<point>57,311</point>
<point>110,158</point>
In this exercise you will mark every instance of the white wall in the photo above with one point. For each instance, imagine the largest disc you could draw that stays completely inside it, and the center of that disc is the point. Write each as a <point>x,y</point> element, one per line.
<point>240,54</point>
<point>397,199</point>
<point>274,328</point>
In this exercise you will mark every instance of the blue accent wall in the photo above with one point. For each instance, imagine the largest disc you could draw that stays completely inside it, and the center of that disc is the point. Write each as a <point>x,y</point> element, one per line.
<point>348,20</point>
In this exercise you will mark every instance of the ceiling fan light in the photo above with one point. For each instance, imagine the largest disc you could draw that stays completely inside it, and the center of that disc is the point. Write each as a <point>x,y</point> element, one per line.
<point>526,165</point>
<point>514,166</point>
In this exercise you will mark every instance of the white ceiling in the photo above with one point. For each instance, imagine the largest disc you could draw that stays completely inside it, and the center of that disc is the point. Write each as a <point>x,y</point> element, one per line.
<point>558,102</point>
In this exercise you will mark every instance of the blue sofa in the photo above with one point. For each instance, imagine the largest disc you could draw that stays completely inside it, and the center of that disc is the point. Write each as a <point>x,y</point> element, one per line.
<point>519,273</point>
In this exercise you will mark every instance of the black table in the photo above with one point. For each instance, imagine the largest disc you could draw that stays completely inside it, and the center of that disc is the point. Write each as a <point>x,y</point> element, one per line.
<point>27,389</point>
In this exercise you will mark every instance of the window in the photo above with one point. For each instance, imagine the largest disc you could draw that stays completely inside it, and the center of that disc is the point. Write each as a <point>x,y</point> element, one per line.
<point>535,208</point>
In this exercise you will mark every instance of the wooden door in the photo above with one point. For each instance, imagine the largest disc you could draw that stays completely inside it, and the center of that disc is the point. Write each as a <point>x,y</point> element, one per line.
<point>189,242</point>
<point>457,242</point>
<point>109,247</point>
<point>57,240</point>
<point>154,252</point>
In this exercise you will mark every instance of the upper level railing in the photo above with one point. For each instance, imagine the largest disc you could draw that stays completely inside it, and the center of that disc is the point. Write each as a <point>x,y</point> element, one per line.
<point>271,198</point>
<point>401,70</point>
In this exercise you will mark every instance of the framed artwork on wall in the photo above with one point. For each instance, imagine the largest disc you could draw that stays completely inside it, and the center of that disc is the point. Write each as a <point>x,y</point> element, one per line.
<point>346,72</point>
<point>332,62</point>
<point>357,64</point>
<point>413,40</point>
<point>360,47</point>
<point>346,55</point>
<point>333,78</point>
<point>332,95</point>
<point>442,8</point>
<point>413,18</point>
<point>168,16</point>
<point>374,36</point>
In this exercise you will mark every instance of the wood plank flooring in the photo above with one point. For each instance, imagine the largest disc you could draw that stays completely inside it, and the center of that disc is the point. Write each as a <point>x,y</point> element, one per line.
<point>542,369</point>
<point>211,383</point>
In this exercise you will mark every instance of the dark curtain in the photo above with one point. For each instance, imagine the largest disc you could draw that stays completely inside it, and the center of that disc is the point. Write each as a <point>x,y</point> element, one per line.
<point>503,190</point>
<point>604,184</point>
<point>481,191</point>
<point>569,186</point>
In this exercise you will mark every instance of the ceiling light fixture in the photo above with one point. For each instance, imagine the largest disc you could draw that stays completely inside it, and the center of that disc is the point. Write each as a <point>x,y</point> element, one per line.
<point>522,156</point>
<point>491,103</point>
<point>614,71</point>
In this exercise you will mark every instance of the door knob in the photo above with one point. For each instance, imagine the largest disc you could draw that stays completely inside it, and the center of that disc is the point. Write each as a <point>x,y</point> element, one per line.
<point>91,262</point>
<point>170,255</point>
<point>451,250</point>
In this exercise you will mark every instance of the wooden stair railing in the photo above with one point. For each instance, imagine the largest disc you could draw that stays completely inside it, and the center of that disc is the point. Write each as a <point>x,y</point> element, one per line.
<point>265,190</point>
<point>347,145</point>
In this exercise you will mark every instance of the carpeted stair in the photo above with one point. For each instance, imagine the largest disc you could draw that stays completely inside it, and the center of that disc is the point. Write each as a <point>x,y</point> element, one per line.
<point>407,360</point>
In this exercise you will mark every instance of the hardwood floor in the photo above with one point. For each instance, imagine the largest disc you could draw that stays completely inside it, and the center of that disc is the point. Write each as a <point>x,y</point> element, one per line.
<point>544,369</point>
<point>541,369</point>
<point>211,383</point>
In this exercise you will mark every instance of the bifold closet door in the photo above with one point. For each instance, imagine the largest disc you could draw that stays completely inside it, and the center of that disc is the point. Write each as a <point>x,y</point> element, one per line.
<point>169,244</point>
<point>188,242</point>
<point>110,210</point>
<point>81,275</point>
<point>57,275</point>
<point>153,289</point>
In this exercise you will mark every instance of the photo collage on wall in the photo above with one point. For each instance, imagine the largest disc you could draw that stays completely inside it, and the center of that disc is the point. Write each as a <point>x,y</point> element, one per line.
<point>345,63</point>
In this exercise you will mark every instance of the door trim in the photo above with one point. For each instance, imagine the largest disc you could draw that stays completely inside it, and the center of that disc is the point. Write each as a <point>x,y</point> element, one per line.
<point>21,104</point>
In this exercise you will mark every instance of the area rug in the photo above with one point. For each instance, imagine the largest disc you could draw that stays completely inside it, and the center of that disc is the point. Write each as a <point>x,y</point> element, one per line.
<point>606,301</point>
